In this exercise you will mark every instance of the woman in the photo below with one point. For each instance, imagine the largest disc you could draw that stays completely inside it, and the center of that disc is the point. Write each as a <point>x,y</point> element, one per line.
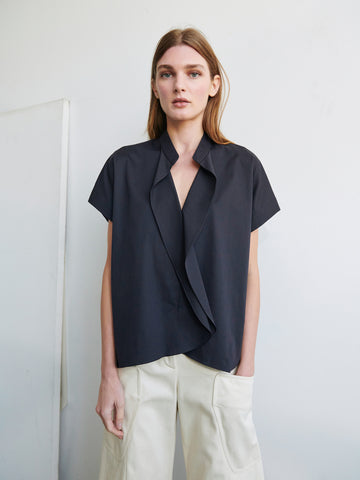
<point>180,291</point>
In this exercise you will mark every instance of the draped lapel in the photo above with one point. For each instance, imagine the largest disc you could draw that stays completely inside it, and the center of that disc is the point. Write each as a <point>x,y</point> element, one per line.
<point>180,228</point>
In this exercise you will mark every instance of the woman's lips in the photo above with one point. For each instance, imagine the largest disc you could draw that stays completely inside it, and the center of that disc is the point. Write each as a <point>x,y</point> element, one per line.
<point>180,103</point>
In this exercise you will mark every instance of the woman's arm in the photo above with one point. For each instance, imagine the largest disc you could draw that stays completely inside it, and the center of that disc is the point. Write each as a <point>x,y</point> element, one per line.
<point>252,311</point>
<point>108,365</point>
<point>111,392</point>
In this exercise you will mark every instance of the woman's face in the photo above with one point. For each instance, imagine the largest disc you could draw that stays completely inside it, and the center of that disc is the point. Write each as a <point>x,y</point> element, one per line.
<point>183,72</point>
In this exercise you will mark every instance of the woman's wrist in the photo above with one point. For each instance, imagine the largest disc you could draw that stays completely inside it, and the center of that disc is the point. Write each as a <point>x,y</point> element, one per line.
<point>108,371</point>
<point>246,369</point>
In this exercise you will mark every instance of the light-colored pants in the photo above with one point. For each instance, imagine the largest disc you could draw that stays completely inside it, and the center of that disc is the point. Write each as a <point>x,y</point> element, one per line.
<point>215,414</point>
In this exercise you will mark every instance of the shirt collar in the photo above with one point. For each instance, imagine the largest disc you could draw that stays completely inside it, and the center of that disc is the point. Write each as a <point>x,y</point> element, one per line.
<point>172,155</point>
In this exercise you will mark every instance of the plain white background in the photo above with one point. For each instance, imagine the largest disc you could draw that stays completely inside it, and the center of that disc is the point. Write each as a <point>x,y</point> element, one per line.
<point>294,101</point>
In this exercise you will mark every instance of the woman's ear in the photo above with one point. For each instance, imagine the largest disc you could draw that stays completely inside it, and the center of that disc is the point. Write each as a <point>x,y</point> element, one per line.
<point>154,89</point>
<point>215,85</point>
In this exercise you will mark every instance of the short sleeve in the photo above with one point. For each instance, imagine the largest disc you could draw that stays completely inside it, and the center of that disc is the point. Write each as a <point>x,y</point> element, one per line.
<point>101,196</point>
<point>264,202</point>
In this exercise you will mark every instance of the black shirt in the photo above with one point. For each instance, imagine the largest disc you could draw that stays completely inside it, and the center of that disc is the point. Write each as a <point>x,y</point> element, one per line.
<point>179,276</point>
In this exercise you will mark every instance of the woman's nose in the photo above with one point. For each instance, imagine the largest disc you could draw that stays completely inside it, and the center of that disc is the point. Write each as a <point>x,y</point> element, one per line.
<point>179,83</point>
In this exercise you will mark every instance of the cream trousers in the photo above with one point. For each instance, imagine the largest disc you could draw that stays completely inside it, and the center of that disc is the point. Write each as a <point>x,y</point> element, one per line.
<point>218,434</point>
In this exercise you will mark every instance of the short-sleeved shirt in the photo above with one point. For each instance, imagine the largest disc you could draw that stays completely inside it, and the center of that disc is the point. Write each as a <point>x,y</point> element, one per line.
<point>179,276</point>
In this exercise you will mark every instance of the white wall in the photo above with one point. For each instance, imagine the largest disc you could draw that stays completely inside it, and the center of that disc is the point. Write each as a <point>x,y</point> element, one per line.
<point>294,101</point>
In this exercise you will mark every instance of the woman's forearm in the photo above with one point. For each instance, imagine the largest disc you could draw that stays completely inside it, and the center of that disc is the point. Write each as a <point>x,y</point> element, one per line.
<point>108,365</point>
<point>252,311</point>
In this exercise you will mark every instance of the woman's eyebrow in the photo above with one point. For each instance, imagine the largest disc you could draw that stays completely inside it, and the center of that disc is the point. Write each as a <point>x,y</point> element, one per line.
<point>186,66</point>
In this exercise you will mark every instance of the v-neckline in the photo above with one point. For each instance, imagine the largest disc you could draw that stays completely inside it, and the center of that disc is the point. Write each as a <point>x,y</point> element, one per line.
<point>187,196</point>
<point>200,156</point>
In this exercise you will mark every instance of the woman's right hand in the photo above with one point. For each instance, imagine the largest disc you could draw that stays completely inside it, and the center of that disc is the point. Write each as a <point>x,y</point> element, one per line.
<point>111,396</point>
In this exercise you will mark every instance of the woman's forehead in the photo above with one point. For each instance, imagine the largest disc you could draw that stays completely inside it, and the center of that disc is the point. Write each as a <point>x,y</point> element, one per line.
<point>180,56</point>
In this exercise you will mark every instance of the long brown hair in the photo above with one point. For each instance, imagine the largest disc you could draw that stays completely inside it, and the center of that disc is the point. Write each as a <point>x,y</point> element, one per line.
<point>194,38</point>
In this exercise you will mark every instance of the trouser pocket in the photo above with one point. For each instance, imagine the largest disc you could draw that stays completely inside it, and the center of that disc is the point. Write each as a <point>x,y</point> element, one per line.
<point>232,406</point>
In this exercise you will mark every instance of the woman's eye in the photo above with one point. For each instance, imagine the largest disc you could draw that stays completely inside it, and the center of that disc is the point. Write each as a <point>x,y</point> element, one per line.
<point>167,74</point>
